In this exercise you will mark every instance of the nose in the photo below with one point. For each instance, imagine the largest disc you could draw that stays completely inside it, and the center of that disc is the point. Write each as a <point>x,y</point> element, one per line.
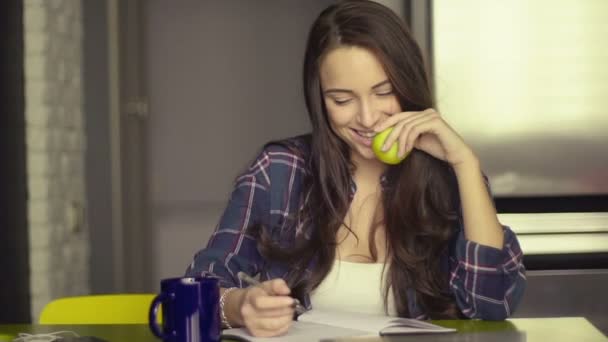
<point>368,115</point>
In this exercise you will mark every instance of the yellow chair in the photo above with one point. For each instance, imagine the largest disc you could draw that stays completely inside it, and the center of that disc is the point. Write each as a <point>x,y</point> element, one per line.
<point>98,309</point>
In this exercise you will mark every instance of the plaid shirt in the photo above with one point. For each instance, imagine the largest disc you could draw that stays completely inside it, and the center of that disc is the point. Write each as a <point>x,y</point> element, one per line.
<point>486,282</point>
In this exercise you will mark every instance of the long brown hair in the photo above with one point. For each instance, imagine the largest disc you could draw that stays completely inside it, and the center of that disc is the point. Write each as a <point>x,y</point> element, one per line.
<point>420,199</point>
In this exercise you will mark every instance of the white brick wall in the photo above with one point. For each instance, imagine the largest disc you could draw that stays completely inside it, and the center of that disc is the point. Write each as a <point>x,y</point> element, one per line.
<point>59,253</point>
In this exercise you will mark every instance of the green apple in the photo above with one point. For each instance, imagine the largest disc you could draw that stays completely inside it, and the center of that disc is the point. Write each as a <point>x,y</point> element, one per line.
<point>390,156</point>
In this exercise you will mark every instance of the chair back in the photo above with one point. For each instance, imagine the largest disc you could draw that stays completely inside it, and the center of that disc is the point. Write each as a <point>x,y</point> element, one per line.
<point>98,309</point>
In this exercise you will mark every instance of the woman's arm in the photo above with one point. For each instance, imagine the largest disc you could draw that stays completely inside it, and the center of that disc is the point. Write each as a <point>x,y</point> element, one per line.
<point>487,276</point>
<point>265,310</point>
<point>429,132</point>
<point>479,215</point>
<point>232,247</point>
<point>487,283</point>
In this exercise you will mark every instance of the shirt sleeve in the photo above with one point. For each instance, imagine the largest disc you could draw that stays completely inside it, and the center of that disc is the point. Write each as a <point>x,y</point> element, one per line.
<point>487,282</point>
<point>233,247</point>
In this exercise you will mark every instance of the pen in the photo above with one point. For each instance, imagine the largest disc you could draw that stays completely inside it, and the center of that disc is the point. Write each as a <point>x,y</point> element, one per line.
<point>251,281</point>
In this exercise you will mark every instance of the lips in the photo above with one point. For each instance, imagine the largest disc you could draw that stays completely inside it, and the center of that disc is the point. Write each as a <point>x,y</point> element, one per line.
<point>363,137</point>
<point>364,134</point>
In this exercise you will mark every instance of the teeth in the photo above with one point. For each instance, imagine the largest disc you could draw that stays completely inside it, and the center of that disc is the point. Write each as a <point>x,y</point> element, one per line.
<point>367,134</point>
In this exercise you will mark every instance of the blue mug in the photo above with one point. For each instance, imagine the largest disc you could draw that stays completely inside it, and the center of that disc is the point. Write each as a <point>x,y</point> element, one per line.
<point>190,310</point>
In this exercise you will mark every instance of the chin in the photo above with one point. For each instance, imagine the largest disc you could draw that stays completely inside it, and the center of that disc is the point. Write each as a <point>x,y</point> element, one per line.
<point>365,153</point>
<point>362,152</point>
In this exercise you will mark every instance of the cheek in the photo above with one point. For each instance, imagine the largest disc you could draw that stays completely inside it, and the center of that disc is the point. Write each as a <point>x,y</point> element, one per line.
<point>389,106</point>
<point>395,107</point>
<point>340,116</point>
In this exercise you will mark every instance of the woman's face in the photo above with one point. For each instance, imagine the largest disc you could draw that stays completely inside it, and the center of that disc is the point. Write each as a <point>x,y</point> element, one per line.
<point>357,95</point>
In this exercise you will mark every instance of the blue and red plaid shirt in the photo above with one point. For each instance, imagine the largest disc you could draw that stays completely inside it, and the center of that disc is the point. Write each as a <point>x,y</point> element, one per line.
<point>486,282</point>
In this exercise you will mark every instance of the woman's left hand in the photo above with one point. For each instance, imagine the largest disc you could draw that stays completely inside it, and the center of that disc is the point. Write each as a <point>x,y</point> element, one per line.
<point>428,132</point>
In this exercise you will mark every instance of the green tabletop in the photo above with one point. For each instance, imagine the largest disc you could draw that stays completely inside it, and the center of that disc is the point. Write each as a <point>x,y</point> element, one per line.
<point>522,329</point>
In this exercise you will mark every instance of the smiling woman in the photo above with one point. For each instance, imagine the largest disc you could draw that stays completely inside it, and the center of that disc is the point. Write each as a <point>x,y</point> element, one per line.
<point>357,96</point>
<point>309,205</point>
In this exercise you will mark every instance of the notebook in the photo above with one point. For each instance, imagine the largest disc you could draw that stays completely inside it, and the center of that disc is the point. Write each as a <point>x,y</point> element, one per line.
<point>315,325</point>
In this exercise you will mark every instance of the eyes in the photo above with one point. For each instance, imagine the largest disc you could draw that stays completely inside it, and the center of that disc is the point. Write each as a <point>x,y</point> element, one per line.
<point>343,101</point>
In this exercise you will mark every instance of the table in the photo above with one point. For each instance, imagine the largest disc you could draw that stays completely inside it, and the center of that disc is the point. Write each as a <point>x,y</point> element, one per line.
<point>517,329</point>
<point>521,329</point>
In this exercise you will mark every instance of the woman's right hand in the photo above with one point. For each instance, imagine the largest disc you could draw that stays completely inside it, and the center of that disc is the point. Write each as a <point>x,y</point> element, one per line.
<point>266,309</point>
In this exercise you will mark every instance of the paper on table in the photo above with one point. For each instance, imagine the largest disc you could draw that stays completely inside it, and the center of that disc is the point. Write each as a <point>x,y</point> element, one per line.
<point>371,323</point>
<point>315,325</point>
<point>299,332</point>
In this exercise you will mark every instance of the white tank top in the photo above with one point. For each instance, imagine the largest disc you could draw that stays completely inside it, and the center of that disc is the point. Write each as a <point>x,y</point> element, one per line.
<point>353,287</point>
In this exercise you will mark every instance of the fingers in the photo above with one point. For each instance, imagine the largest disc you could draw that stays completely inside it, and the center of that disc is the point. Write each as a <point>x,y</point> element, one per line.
<point>265,302</point>
<point>395,118</point>
<point>408,137</point>
<point>280,312</point>
<point>276,287</point>
<point>390,139</point>
<point>267,309</point>
<point>270,295</point>
<point>408,129</point>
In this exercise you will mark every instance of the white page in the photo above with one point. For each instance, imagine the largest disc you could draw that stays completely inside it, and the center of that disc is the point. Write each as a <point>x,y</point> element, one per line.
<point>370,323</point>
<point>300,332</point>
<point>402,330</point>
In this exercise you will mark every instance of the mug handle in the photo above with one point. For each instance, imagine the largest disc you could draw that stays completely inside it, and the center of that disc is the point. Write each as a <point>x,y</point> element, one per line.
<point>152,316</point>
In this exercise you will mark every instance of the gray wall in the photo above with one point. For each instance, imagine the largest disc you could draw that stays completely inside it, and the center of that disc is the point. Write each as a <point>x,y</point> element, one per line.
<point>97,157</point>
<point>223,79</point>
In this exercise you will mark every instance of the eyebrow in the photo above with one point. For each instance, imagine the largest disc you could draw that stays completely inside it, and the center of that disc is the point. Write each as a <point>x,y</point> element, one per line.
<point>337,90</point>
